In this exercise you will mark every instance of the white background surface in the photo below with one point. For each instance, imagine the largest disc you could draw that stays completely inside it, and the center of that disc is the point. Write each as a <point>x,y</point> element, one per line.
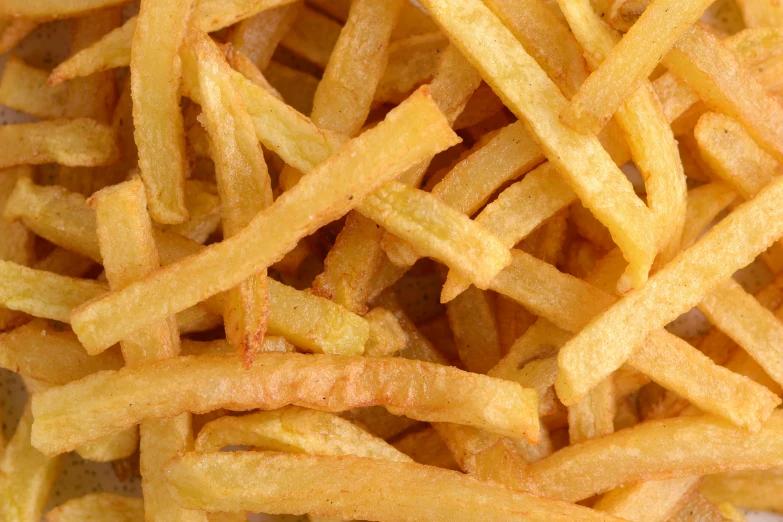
<point>45,48</point>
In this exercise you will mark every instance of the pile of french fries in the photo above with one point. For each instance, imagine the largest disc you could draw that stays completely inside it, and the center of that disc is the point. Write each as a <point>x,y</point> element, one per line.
<point>389,250</point>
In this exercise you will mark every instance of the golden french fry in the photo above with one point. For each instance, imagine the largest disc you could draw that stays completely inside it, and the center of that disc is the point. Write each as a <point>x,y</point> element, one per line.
<point>759,13</point>
<point>412,20</point>
<point>733,156</point>
<point>17,245</point>
<point>39,350</point>
<point>98,507</point>
<point>656,450</point>
<point>205,383</point>
<point>632,60</point>
<point>472,321</point>
<point>426,447</point>
<point>115,446</point>
<point>312,36</point>
<point>718,76</point>
<point>750,229</point>
<point>593,416</point>
<point>746,489</point>
<point>203,206</point>
<point>297,430</point>
<point>538,102</point>
<point>196,479</point>
<point>317,201</point>
<point>78,142</point>
<point>386,335</point>
<point>24,88</point>
<point>52,9</point>
<point>159,130</point>
<point>296,87</point>
<point>13,31</point>
<point>698,509</point>
<point>221,346</point>
<point>27,475</point>
<point>704,204</point>
<point>243,183</point>
<point>412,62</point>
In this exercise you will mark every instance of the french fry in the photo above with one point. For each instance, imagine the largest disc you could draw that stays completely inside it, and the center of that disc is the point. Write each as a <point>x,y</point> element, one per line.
<point>697,509</point>
<point>296,430</point>
<point>472,320</point>
<point>653,500</point>
<point>412,62</point>
<point>243,183</point>
<point>312,37</point>
<point>221,346</point>
<point>205,383</point>
<point>568,150</point>
<point>121,214</point>
<point>678,450</point>
<point>40,351</point>
<point>720,79</point>
<point>257,37</point>
<point>98,507</point>
<point>412,20</point>
<point>203,206</point>
<point>704,204</point>
<point>196,478</point>
<point>513,321</point>
<point>760,13</point>
<point>593,416</point>
<point>741,229</point>
<point>13,31</point>
<point>752,326</point>
<point>26,475</point>
<point>52,9</point>
<point>746,489</point>
<point>438,231</point>
<point>386,335</point>
<point>633,59</point>
<point>733,156</point>
<point>159,132</point>
<point>44,294</point>
<point>17,244</point>
<point>511,217</point>
<point>24,88</point>
<point>78,142</point>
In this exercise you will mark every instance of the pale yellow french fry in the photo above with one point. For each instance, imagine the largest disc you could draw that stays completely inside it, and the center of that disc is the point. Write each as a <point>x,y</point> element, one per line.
<point>312,323</point>
<point>17,245</point>
<point>518,211</point>
<point>121,213</point>
<point>593,416</point>
<point>44,294</point>
<point>457,495</point>
<point>746,489</point>
<point>412,20</point>
<point>427,447</point>
<point>733,156</point>
<point>98,507</point>
<point>750,229</point>
<point>538,101</point>
<point>204,383</point>
<point>52,9</point>
<point>312,37</point>
<point>26,475</point>
<point>646,130</point>
<point>24,88</point>
<point>243,183</point>
<point>753,327</point>
<point>704,205</point>
<point>257,37</point>
<point>115,446</point>
<point>438,231</point>
<point>718,76</point>
<point>632,60</point>
<point>697,508</point>
<point>159,131</point>
<point>761,13</point>
<point>296,430</point>
<point>656,450</point>
<point>656,500</point>
<point>78,142</point>
<point>203,206</point>
<point>294,216</point>
<point>296,87</point>
<point>13,31</point>
<point>40,351</point>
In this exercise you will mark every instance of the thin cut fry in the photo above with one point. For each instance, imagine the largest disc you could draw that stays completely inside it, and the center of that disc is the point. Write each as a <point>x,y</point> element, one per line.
<point>296,430</point>
<point>746,232</point>
<point>78,142</point>
<point>213,482</point>
<point>98,507</point>
<point>204,383</point>
<point>204,209</point>
<point>632,60</point>
<point>652,501</point>
<point>580,159</point>
<point>323,195</point>
<point>24,88</point>
<point>720,79</point>
<point>258,36</point>
<point>386,335</point>
<point>411,63</point>
<point>704,205</point>
<point>313,37</point>
<point>656,450</point>
<point>472,321</point>
<point>593,416</point>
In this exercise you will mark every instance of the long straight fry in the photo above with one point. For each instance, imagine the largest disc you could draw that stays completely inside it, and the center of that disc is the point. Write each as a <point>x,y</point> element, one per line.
<point>325,382</point>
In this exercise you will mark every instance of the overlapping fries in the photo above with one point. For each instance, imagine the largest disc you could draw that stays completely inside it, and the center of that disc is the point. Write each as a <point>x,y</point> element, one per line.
<point>481,224</point>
